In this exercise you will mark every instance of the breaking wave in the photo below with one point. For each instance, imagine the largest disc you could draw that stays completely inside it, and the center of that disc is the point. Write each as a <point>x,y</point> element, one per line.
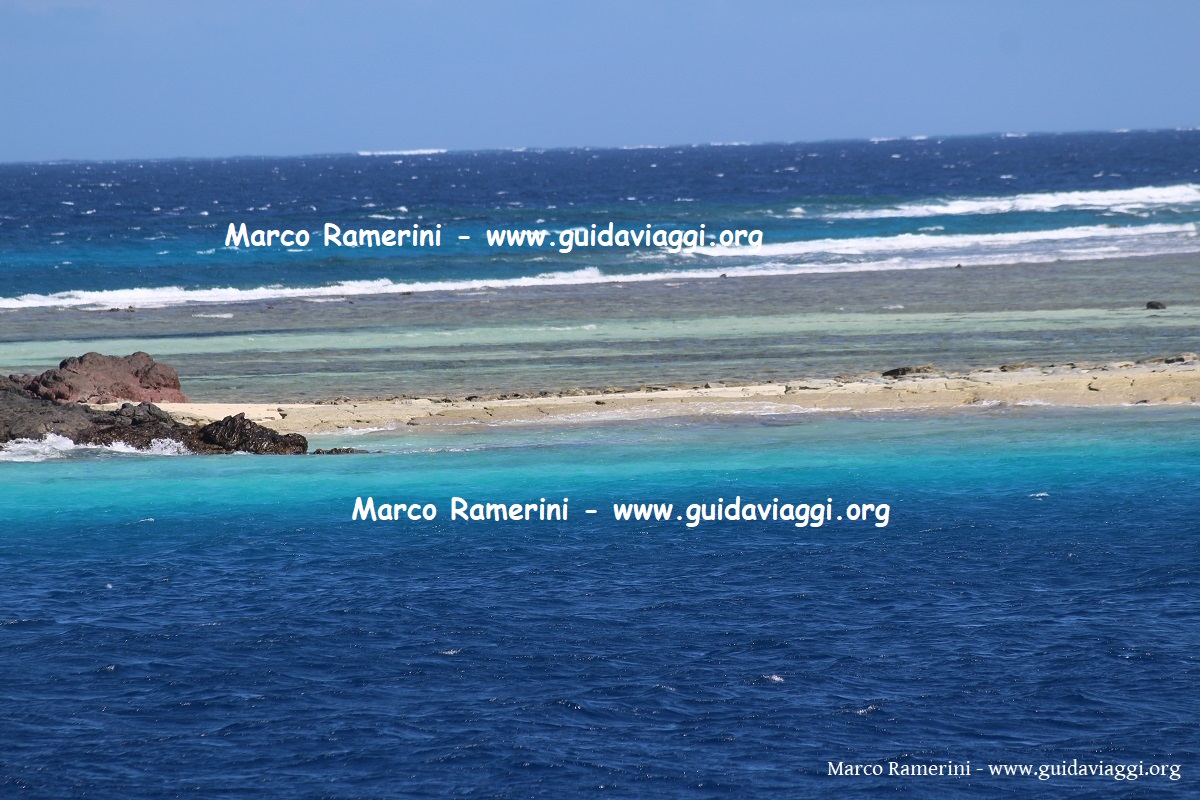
<point>1125,201</point>
<point>855,254</point>
<point>53,447</point>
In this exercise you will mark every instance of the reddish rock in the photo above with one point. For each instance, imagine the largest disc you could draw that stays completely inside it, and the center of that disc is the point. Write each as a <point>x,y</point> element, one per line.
<point>95,378</point>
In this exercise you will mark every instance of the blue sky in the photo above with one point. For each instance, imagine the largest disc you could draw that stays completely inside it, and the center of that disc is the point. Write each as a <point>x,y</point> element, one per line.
<point>144,78</point>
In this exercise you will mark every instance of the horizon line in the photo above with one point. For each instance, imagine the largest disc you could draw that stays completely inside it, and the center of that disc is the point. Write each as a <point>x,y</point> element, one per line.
<point>431,151</point>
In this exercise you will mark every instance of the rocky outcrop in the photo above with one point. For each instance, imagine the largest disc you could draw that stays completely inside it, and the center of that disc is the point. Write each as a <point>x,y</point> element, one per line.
<point>238,434</point>
<point>1179,358</point>
<point>24,415</point>
<point>95,378</point>
<point>135,425</point>
<point>899,372</point>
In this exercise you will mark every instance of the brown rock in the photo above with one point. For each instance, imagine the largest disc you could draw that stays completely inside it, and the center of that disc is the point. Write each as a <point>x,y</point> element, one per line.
<point>96,378</point>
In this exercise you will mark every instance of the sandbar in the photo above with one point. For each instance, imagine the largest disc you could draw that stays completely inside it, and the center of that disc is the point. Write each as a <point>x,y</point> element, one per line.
<point>1167,380</point>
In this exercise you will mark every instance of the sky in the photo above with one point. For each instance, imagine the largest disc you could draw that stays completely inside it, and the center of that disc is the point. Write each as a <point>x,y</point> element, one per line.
<point>113,79</point>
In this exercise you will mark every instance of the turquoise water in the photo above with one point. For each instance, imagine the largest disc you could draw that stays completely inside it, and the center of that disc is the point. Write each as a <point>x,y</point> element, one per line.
<point>220,626</point>
<point>688,332</point>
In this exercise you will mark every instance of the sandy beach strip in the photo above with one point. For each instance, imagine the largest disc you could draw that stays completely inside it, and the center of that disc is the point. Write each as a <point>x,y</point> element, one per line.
<point>1168,380</point>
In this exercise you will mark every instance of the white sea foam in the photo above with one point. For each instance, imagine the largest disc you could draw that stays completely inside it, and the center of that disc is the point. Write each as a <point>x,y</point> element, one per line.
<point>158,447</point>
<point>1125,201</point>
<point>865,254</point>
<point>52,447</point>
<point>350,431</point>
<point>429,151</point>
<point>909,242</point>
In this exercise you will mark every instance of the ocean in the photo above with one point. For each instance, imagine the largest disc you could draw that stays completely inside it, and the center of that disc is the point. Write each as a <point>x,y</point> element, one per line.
<point>1019,621</point>
<point>1044,226</point>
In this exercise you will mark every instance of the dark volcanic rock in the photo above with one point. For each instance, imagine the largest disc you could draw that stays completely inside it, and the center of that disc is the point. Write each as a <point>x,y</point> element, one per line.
<point>337,451</point>
<point>898,372</point>
<point>96,378</point>
<point>24,416</point>
<point>1155,305</point>
<point>27,416</point>
<point>238,434</point>
<point>137,426</point>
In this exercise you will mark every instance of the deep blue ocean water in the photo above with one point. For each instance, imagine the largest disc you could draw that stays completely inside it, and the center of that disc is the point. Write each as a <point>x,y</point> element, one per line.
<point>220,627</point>
<point>71,230</point>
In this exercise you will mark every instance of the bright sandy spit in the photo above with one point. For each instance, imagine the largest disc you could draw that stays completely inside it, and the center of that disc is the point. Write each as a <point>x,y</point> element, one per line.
<point>1174,379</point>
